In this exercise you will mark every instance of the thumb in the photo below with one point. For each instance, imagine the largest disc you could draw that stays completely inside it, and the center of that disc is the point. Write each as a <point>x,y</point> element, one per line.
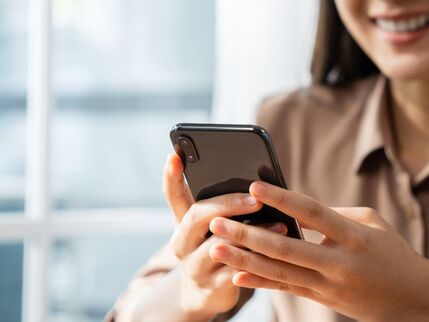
<point>175,188</point>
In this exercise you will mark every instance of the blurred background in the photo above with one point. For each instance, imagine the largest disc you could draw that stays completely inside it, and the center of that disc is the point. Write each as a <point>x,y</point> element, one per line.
<point>123,73</point>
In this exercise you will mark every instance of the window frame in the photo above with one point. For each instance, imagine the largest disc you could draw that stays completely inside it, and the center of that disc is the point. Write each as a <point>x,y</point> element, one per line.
<point>40,225</point>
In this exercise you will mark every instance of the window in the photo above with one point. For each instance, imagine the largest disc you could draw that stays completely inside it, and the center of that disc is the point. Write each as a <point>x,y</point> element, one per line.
<point>80,181</point>
<point>88,92</point>
<point>13,78</point>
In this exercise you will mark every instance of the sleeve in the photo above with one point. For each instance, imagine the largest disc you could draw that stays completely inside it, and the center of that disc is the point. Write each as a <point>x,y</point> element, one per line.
<point>158,266</point>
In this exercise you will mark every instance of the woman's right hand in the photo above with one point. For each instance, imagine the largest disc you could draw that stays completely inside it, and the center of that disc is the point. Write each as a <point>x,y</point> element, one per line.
<point>206,287</point>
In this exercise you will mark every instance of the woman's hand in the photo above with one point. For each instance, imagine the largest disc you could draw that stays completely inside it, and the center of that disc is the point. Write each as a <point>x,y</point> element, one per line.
<point>362,268</point>
<point>206,287</point>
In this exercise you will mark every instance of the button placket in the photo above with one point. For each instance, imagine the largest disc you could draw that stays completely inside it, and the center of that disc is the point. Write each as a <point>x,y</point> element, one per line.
<point>411,209</point>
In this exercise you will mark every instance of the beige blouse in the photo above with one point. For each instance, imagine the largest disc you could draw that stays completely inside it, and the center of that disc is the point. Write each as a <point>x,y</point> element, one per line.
<point>334,144</point>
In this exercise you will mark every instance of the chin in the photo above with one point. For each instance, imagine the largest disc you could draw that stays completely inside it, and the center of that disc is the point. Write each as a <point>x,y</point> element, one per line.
<point>405,68</point>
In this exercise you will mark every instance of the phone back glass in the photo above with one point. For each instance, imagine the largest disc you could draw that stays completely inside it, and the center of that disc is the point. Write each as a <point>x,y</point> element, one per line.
<point>230,158</point>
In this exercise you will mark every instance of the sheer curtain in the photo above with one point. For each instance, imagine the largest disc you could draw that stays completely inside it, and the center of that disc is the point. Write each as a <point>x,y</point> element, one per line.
<point>262,47</point>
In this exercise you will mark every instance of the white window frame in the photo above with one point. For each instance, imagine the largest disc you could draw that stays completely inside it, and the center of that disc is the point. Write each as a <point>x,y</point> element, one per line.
<point>40,225</point>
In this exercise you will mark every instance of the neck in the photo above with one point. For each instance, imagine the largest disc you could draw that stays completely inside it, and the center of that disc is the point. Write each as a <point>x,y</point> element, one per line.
<point>410,100</point>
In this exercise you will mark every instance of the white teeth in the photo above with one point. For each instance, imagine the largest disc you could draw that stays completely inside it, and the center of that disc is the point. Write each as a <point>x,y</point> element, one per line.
<point>404,25</point>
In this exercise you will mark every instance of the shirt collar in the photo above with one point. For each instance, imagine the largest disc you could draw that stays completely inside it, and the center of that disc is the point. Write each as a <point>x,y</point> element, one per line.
<point>375,132</point>
<point>371,135</point>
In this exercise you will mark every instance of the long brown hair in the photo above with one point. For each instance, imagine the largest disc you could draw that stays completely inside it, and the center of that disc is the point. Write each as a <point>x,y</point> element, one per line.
<point>337,58</point>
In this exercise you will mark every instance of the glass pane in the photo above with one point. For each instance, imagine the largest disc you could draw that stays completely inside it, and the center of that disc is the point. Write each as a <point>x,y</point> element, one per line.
<point>87,275</point>
<point>125,73</point>
<point>11,257</point>
<point>13,77</point>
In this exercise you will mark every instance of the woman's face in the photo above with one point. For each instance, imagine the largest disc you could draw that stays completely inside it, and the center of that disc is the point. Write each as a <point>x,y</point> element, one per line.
<point>393,33</point>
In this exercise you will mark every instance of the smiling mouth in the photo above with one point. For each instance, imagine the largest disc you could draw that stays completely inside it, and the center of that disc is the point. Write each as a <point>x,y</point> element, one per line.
<point>403,25</point>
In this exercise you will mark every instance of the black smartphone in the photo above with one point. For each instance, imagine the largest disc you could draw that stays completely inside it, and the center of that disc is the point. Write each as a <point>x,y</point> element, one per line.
<point>220,159</point>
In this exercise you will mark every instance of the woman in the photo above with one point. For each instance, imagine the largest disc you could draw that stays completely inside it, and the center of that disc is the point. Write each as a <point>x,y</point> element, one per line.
<point>359,137</point>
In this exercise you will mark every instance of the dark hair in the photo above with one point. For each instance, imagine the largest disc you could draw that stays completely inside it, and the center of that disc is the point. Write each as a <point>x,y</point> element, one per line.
<point>337,58</point>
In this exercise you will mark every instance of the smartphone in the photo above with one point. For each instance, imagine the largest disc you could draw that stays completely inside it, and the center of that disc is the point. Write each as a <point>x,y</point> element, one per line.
<point>220,159</point>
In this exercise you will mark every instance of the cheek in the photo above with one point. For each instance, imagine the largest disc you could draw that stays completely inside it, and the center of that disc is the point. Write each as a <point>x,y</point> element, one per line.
<point>406,62</point>
<point>353,14</point>
<point>401,63</point>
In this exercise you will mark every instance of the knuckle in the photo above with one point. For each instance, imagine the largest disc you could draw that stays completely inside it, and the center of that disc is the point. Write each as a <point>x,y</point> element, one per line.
<point>240,235</point>
<point>281,249</point>
<point>314,208</point>
<point>242,261</point>
<point>177,244</point>
<point>281,198</point>
<point>199,283</point>
<point>229,201</point>
<point>177,250</point>
<point>283,287</point>
<point>280,274</point>
<point>193,272</point>
<point>192,216</point>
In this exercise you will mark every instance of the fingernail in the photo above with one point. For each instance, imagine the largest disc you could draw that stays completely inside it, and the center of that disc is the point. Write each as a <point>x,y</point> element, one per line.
<point>217,227</point>
<point>278,228</point>
<point>241,278</point>
<point>249,201</point>
<point>219,253</point>
<point>260,188</point>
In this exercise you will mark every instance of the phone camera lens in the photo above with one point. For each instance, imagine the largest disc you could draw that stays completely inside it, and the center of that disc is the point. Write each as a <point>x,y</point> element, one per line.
<point>184,143</point>
<point>187,149</point>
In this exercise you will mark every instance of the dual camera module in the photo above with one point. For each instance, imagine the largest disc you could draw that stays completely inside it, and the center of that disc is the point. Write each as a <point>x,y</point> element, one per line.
<point>188,149</point>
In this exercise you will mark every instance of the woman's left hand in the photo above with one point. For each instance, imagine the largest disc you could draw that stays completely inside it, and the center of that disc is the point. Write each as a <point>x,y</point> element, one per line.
<point>362,268</point>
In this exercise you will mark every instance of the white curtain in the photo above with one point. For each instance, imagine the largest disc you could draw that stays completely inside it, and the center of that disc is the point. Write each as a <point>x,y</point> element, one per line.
<point>262,47</point>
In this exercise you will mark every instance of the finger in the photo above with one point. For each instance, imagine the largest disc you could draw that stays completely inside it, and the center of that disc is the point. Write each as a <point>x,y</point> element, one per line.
<point>192,231</point>
<point>175,188</point>
<point>310,212</point>
<point>279,228</point>
<point>266,267</point>
<point>248,280</point>
<point>199,265</point>
<point>222,278</point>
<point>276,246</point>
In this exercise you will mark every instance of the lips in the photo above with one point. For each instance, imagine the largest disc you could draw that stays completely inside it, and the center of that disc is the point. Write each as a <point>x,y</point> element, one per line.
<point>403,25</point>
